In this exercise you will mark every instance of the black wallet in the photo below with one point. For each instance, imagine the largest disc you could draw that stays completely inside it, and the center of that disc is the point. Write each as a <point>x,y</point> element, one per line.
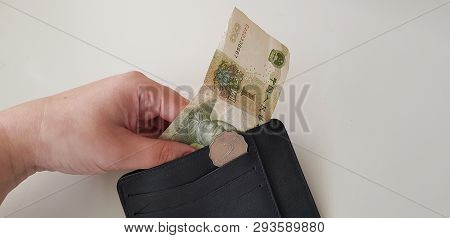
<point>267,181</point>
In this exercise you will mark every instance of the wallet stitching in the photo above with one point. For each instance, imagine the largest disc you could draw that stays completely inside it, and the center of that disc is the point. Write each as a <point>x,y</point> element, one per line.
<point>179,187</point>
<point>237,200</point>
<point>272,198</point>
<point>248,192</point>
<point>226,184</point>
<point>126,178</point>
<point>175,163</point>
<point>294,158</point>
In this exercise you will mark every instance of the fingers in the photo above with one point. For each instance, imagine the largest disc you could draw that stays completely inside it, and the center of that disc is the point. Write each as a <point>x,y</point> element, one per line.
<point>147,153</point>
<point>171,104</point>
<point>158,106</point>
<point>158,100</point>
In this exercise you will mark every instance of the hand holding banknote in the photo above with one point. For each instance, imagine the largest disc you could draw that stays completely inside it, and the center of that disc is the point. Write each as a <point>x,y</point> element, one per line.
<point>94,128</point>
<point>89,130</point>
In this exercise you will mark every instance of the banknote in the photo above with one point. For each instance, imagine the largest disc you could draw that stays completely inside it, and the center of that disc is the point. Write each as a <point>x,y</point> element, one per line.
<point>241,87</point>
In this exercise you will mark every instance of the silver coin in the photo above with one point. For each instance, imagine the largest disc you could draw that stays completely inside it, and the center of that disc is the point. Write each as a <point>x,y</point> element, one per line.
<point>227,146</point>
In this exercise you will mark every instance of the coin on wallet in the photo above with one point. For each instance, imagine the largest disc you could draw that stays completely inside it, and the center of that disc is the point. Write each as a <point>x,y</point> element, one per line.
<point>227,146</point>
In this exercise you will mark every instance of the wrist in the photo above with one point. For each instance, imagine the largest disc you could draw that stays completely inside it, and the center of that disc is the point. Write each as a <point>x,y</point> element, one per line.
<point>17,138</point>
<point>12,172</point>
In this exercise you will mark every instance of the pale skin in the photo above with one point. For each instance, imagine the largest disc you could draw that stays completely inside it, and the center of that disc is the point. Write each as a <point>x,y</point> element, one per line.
<point>90,130</point>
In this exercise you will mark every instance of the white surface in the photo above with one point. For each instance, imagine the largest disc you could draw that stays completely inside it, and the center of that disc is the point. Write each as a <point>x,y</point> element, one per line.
<point>378,107</point>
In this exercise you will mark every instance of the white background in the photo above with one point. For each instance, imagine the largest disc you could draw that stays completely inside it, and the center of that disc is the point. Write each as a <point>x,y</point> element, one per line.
<point>378,107</point>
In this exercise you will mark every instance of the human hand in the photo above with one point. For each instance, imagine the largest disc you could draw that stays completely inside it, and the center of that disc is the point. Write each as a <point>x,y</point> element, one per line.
<point>93,128</point>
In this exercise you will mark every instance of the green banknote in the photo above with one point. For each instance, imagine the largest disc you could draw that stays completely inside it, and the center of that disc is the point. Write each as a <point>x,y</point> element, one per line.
<point>241,87</point>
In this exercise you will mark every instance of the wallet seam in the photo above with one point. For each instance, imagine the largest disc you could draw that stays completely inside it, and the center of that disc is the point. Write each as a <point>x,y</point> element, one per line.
<point>203,177</point>
<point>223,186</point>
<point>293,157</point>
<point>177,162</point>
<point>296,161</point>
<point>126,178</point>
<point>272,198</point>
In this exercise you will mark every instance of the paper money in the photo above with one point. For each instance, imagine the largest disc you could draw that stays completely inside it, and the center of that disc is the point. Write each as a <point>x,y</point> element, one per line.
<point>241,87</point>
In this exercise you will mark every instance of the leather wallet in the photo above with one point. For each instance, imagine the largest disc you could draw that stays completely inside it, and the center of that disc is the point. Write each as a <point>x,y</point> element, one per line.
<point>267,181</point>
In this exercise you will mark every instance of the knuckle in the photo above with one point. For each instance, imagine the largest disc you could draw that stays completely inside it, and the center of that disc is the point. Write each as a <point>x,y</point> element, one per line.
<point>135,74</point>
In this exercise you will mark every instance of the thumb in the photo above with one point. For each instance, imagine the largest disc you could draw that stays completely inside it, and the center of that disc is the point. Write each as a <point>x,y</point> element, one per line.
<point>143,152</point>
